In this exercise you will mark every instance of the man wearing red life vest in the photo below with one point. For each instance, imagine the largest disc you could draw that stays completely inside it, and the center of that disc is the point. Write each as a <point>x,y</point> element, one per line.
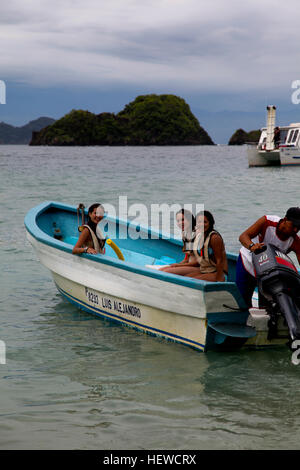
<point>268,229</point>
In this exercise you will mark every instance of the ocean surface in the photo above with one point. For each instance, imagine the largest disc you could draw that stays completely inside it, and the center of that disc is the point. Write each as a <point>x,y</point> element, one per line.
<point>72,381</point>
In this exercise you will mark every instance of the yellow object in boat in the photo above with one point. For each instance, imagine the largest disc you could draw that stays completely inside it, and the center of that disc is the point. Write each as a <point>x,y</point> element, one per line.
<point>115,248</point>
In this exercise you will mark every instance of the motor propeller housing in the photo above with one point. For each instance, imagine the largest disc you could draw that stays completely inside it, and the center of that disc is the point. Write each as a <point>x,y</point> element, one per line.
<point>279,282</point>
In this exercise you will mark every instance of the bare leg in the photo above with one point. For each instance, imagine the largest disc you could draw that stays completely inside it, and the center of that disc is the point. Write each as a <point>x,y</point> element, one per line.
<point>166,268</point>
<point>182,270</point>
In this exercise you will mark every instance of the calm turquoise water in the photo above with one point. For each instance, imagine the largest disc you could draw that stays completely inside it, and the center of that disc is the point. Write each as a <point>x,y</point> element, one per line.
<point>72,381</point>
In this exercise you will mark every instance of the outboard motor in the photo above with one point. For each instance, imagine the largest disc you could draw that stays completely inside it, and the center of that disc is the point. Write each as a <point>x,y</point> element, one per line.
<point>279,282</point>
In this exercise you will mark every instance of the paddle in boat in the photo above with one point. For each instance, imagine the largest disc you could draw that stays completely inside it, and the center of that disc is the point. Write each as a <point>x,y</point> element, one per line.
<point>123,285</point>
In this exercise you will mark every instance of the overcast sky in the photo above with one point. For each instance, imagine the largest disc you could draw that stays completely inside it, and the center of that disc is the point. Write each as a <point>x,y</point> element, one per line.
<point>217,54</point>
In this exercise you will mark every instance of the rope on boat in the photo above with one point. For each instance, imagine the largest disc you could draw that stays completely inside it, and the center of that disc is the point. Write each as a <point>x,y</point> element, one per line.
<point>80,211</point>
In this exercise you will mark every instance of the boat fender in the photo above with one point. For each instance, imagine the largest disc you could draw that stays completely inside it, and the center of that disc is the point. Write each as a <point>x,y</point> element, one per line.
<point>115,248</point>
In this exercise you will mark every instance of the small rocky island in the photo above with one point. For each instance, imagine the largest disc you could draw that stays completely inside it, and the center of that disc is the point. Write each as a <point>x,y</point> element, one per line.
<point>148,120</point>
<point>241,137</point>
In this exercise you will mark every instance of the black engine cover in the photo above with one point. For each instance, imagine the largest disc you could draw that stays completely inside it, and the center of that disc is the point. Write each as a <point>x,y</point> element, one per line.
<point>279,282</point>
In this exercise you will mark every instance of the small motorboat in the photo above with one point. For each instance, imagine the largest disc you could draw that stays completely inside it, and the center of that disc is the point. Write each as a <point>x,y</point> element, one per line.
<point>124,284</point>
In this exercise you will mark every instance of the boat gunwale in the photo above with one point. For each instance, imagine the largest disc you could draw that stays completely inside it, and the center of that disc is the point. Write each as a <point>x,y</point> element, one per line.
<point>41,236</point>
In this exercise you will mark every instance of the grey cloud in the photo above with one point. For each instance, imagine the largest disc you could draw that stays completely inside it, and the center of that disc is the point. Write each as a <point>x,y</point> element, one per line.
<point>193,43</point>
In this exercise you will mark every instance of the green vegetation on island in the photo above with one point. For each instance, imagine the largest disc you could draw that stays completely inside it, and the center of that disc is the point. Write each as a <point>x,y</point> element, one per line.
<point>22,135</point>
<point>148,120</point>
<point>241,137</point>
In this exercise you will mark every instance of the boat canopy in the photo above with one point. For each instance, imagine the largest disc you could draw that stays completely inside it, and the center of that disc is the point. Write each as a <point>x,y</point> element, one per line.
<point>289,136</point>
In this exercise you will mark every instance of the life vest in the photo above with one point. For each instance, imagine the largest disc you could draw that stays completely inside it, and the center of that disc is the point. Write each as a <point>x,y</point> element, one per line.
<point>201,252</point>
<point>188,239</point>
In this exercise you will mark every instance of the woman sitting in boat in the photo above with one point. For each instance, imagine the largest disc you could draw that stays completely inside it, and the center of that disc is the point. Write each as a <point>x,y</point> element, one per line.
<point>186,222</point>
<point>209,250</point>
<point>88,241</point>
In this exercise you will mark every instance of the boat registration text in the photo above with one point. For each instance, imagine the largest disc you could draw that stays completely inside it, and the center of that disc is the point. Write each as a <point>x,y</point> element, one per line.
<point>110,304</point>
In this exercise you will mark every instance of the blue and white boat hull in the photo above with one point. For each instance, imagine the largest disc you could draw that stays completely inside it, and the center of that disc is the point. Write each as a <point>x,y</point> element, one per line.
<point>203,315</point>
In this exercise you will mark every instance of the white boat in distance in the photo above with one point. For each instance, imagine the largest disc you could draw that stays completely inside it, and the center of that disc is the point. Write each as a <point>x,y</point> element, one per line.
<point>121,285</point>
<point>268,152</point>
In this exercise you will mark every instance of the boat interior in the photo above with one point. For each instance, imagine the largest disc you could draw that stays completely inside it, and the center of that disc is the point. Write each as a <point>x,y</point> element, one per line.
<point>143,247</point>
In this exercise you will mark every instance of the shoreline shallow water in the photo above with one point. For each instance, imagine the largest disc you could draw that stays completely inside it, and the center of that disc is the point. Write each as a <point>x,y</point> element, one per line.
<point>72,381</point>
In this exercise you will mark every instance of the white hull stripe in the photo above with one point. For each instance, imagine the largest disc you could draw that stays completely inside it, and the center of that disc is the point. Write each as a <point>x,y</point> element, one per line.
<point>140,326</point>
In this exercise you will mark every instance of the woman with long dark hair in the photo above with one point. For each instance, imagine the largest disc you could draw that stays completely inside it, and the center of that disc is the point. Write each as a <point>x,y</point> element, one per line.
<point>88,241</point>
<point>209,250</point>
<point>186,222</point>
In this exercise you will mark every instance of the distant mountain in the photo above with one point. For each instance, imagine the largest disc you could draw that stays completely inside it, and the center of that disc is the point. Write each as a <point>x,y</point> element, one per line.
<point>22,135</point>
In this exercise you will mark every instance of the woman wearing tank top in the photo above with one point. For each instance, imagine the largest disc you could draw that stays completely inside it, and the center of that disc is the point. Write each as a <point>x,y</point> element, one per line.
<point>209,250</point>
<point>88,242</point>
<point>186,223</point>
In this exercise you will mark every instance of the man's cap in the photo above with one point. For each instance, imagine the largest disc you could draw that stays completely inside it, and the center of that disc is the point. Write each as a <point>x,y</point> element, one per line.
<point>293,214</point>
